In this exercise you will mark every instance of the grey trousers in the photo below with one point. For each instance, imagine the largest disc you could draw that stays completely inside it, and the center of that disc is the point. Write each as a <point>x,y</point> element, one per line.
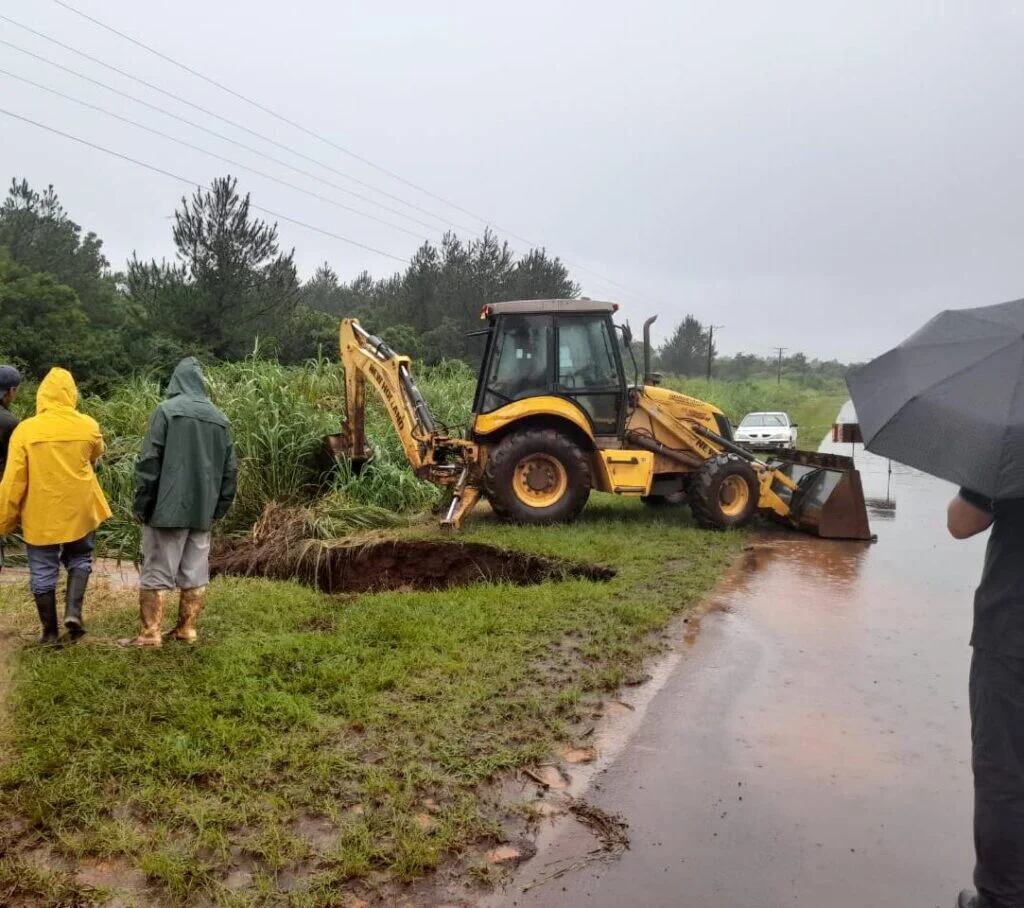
<point>997,736</point>
<point>174,558</point>
<point>44,562</point>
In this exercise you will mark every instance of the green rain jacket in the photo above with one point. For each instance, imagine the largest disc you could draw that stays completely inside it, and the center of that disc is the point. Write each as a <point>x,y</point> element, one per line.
<point>187,473</point>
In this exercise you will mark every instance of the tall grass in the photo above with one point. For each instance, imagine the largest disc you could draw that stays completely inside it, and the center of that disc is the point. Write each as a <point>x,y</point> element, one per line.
<point>279,416</point>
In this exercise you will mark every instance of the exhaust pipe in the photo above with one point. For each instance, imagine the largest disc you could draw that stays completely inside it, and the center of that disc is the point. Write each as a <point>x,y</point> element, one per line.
<point>649,377</point>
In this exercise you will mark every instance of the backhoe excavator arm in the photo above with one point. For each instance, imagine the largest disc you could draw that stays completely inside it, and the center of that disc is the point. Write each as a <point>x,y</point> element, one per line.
<point>434,455</point>
<point>366,357</point>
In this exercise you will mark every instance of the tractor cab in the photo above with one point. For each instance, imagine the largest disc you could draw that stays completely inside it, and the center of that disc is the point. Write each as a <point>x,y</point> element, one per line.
<point>566,349</point>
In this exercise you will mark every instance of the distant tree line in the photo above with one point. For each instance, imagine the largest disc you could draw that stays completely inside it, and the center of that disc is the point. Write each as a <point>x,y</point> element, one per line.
<point>427,311</point>
<point>232,291</point>
<point>686,353</point>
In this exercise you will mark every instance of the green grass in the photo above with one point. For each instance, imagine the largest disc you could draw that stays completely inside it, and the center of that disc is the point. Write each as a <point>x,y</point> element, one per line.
<point>297,705</point>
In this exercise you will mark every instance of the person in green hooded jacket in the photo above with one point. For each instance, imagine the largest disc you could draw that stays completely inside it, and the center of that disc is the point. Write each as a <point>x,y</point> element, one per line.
<point>185,479</point>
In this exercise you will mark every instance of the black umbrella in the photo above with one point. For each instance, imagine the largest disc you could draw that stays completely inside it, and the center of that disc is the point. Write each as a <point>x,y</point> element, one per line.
<point>949,400</point>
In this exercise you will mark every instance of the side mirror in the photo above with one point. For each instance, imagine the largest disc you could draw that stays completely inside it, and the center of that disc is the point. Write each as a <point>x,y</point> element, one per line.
<point>794,425</point>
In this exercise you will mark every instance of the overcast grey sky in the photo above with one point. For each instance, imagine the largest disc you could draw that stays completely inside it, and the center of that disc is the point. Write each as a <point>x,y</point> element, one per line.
<point>820,175</point>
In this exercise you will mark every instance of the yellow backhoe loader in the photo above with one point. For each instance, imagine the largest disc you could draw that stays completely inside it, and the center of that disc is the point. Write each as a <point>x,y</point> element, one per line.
<point>554,418</point>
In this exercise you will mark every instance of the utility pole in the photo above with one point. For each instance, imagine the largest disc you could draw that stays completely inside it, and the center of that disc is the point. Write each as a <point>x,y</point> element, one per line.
<point>711,345</point>
<point>778,377</point>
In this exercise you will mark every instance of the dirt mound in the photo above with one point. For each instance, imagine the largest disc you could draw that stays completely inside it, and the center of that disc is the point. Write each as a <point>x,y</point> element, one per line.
<point>276,550</point>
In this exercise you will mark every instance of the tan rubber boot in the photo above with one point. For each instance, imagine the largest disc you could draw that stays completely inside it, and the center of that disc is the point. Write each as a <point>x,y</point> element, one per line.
<point>151,614</point>
<point>190,607</point>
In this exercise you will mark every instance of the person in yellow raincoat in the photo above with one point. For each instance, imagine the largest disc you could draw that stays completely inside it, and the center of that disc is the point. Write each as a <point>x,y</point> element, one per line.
<point>50,488</point>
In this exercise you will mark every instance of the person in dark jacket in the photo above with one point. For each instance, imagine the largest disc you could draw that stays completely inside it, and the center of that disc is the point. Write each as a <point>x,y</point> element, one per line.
<point>185,479</point>
<point>10,379</point>
<point>996,699</point>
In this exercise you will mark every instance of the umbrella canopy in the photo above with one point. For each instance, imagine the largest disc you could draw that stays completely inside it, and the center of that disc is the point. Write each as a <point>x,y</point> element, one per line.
<point>949,400</point>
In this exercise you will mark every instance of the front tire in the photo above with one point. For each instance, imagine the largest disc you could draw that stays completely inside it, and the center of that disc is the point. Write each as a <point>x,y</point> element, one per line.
<point>724,493</point>
<point>537,476</point>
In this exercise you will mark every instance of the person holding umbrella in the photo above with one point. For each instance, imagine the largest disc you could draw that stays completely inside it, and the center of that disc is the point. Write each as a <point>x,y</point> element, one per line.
<point>996,697</point>
<point>950,401</point>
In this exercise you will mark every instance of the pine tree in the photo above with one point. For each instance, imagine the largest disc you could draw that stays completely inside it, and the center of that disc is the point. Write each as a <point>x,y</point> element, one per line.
<point>686,351</point>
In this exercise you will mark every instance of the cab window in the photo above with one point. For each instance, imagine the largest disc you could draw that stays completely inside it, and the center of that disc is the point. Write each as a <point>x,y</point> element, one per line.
<point>586,357</point>
<point>588,369</point>
<point>521,363</point>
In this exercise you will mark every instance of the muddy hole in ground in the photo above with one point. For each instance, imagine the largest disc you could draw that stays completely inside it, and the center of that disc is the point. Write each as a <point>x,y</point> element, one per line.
<point>394,564</point>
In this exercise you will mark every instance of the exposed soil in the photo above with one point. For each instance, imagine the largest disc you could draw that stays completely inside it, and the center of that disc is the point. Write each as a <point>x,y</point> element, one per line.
<point>395,565</point>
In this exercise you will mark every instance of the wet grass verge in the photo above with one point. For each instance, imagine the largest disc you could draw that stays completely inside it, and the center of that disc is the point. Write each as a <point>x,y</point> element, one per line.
<point>316,744</point>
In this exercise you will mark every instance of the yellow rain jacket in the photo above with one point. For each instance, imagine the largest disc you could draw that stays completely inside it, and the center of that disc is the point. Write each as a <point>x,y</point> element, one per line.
<point>49,486</point>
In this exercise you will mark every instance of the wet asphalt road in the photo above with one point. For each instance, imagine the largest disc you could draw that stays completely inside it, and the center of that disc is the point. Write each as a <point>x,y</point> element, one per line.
<point>811,747</point>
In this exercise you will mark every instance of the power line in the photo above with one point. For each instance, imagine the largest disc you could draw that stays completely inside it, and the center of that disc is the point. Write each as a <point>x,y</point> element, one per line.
<point>279,116</point>
<point>242,145</point>
<point>212,132</point>
<point>239,126</point>
<point>212,154</point>
<point>395,176</point>
<point>197,185</point>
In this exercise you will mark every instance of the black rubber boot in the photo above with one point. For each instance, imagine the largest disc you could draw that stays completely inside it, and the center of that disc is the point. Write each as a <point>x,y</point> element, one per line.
<point>46,605</point>
<point>77,582</point>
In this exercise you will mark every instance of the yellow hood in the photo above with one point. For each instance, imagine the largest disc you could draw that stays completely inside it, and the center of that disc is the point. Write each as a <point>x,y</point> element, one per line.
<point>58,389</point>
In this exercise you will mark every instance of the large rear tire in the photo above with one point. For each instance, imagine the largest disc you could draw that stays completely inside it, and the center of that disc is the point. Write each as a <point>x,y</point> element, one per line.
<point>724,493</point>
<point>537,476</point>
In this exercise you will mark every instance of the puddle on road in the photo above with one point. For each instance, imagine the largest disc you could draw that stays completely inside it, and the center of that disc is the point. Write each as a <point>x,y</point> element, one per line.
<point>805,677</point>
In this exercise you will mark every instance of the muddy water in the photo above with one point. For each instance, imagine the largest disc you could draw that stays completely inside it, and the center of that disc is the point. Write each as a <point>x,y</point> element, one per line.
<point>811,745</point>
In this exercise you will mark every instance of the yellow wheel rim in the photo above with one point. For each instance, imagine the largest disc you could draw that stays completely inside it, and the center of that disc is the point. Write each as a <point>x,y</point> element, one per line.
<point>540,480</point>
<point>733,495</point>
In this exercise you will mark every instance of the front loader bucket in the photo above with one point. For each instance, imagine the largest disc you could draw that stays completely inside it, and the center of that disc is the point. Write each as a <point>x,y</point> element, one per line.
<point>829,498</point>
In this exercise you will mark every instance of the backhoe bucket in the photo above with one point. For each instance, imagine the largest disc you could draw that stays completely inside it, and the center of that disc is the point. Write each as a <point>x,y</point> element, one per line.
<point>829,498</point>
<point>338,449</point>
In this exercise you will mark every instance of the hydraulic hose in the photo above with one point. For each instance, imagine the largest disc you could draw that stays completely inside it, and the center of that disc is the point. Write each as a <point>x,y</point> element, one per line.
<point>423,414</point>
<point>725,443</point>
<point>656,447</point>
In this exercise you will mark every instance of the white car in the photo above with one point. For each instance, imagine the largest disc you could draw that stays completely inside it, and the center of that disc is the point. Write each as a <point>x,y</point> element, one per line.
<point>767,432</point>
